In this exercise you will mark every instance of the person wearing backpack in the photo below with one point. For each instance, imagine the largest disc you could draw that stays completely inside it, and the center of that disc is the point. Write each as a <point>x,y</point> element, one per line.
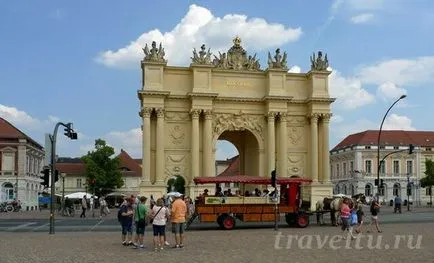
<point>140,217</point>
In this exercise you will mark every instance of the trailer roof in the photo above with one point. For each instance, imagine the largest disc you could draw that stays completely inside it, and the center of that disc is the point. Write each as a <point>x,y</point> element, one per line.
<point>246,179</point>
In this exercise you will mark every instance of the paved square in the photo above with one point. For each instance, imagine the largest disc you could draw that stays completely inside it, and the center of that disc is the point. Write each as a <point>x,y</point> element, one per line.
<point>243,245</point>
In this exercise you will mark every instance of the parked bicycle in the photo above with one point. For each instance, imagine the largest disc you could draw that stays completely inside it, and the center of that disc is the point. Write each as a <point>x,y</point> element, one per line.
<point>7,207</point>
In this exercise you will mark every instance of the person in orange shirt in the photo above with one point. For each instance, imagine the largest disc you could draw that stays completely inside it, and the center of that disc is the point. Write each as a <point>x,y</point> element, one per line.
<point>178,218</point>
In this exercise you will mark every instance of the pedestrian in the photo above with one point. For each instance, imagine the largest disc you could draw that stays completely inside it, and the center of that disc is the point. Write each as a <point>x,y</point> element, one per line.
<point>92,203</point>
<point>360,215</point>
<point>102,206</point>
<point>160,215</point>
<point>346,218</point>
<point>397,202</point>
<point>178,218</point>
<point>375,209</point>
<point>125,217</point>
<point>140,215</point>
<point>83,207</point>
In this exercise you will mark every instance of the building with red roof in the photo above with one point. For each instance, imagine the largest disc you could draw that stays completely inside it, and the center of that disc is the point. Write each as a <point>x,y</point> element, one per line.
<point>353,164</point>
<point>21,160</point>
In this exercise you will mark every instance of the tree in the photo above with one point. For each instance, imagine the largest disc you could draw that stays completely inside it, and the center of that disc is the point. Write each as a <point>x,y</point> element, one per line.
<point>428,180</point>
<point>102,172</point>
<point>176,183</point>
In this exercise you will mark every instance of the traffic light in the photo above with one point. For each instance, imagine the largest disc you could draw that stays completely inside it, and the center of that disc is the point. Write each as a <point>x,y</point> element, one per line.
<point>381,183</point>
<point>273,178</point>
<point>46,176</point>
<point>56,176</point>
<point>410,149</point>
<point>69,132</point>
<point>376,182</point>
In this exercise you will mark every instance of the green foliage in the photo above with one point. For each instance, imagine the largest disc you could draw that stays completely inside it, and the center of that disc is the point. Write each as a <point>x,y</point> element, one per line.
<point>428,180</point>
<point>102,173</point>
<point>178,184</point>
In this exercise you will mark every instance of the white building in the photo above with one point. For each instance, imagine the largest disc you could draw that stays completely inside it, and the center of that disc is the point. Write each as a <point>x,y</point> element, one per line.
<point>353,164</point>
<point>21,160</point>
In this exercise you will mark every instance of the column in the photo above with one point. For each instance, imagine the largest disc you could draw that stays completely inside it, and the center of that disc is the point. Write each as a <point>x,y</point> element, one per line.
<point>207,145</point>
<point>146,129</point>
<point>194,143</point>
<point>314,146</point>
<point>325,120</point>
<point>271,142</point>
<point>159,168</point>
<point>283,156</point>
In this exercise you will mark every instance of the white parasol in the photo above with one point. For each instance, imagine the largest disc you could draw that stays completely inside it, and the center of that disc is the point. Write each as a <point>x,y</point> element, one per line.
<point>175,194</point>
<point>79,195</point>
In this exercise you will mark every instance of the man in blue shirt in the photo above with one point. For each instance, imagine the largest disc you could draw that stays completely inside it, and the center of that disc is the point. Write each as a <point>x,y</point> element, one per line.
<point>397,204</point>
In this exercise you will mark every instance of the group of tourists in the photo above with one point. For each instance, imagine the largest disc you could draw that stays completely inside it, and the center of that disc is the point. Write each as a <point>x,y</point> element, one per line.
<point>134,216</point>
<point>352,215</point>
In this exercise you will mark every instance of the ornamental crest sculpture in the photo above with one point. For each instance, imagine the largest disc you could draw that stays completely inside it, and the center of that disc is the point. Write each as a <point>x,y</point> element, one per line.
<point>236,122</point>
<point>154,54</point>
<point>203,57</point>
<point>279,61</point>
<point>319,63</point>
<point>236,58</point>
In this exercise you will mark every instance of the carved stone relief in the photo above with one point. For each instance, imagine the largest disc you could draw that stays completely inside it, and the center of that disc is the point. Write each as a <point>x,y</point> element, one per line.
<point>177,134</point>
<point>295,135</point>
<point>296,165</point>
<point>237,122</point>
<point>177,164</point>
<point>177,116</point>
<point>296,120</point>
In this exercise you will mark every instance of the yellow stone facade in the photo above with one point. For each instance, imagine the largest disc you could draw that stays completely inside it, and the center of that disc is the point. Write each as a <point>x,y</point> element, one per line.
<point>277,120</point>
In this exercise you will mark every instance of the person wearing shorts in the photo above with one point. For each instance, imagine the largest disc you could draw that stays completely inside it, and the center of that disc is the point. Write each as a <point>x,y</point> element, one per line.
<point>139,218</point>
<point>375,208</point>
<point>126,221</point>
<point>179,215</point>
<point>159,215</point>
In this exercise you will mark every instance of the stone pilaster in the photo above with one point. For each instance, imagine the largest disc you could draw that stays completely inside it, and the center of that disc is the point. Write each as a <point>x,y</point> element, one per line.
<point>146,161</point>
<point>194,143</point>
<point>314,146</point>
<point>271,141</point>
<point>283,155</point>
<point>207,144</point>
<point>159,168</point>
<point>325,121</point>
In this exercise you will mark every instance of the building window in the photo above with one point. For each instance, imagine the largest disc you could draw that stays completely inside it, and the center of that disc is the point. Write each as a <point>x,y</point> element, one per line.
<point>368,190</point>
<point>8,163</point>
<point>409,167</point>
<point>237,185</point>
<point>396,167</point>
<point>345,169</point>
<point>428,191</point>
<point>337,170</point>
<point>383,167</point>
<point>367,147</point>
<point>351,166</point>
<point>428,149</point>
<point>396,147</point>
<point>396,189</point>
<point>382,190</point>
<point>368,166</point>
<point>79,185</point>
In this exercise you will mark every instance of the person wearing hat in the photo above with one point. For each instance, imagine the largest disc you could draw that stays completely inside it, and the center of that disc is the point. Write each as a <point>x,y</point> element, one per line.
<point>178,218</point>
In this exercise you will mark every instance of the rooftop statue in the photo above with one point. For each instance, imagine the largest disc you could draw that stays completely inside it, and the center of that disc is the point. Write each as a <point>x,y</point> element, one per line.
<point>319,63</point>
<point>279,61</point>
<point>154,54</point>
<point>204,57</point>
<point>236,58</point>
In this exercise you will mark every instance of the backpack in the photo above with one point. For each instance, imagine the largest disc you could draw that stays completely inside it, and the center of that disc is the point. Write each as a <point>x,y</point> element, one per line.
<point>353,218</point>
<point>120,213</point>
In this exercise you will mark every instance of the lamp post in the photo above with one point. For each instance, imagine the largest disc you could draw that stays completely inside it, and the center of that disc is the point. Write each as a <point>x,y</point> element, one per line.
<point>378,144</point>
<point>63,190</point>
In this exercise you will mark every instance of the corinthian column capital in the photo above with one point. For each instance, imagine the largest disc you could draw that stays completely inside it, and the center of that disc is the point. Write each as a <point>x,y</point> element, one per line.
<point>160,112</point>
<point>271,115</point>
<point>314,117</point>
<point>325,117</point>
<point>194,113</point>
<point>208,114</point>
<point>283,116</point>
<point>146,112</point>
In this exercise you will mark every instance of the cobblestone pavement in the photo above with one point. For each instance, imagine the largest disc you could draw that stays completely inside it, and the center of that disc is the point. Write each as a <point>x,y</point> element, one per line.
<point>246,245</point>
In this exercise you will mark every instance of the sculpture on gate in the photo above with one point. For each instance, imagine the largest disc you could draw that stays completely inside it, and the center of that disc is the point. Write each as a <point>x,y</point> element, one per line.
<point>279,60</point>
<point>204,57</point>
<point>236,58</point>
<point>154,54</point>
<point>319,63</point>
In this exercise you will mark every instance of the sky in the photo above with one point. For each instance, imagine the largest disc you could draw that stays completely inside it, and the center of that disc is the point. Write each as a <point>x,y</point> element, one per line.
<point>79,61</point>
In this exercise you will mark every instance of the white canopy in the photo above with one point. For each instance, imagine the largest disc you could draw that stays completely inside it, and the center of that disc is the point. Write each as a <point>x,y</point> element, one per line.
<point>79,195</point>
<point>341,195</point>
<point>177,194</point>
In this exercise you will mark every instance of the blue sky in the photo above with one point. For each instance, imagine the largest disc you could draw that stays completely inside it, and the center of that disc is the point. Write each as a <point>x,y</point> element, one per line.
<point>78,61</point>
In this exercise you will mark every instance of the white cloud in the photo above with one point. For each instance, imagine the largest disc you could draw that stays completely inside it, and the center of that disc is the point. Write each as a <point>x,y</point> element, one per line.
<point>200,26</point>
<point>362,18</point>
<point>366,4</point>
<point>342,130</point>
<point>18,117</point>
<point>397,122</point>
<point>225,150</point>
<point>294,69</point>
<point>337,119</point>
<point>400,71</point>
<point>389,90</point>
<point>130,141</point>
<point>348,91</point>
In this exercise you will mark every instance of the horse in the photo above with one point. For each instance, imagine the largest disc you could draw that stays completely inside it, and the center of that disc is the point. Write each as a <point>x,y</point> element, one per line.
<point>333,204</point>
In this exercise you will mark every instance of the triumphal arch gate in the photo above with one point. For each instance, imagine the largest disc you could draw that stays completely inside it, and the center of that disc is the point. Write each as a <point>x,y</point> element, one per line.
<point>276,120</point>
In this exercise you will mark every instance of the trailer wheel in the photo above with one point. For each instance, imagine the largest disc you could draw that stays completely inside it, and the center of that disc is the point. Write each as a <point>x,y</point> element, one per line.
<point>291,219</point>
<point>302,220</point>
<point>220,220</point>
<point>228,222</point>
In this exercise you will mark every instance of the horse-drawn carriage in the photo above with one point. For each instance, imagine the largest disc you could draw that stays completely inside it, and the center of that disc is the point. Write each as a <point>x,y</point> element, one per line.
<point>333,204</point>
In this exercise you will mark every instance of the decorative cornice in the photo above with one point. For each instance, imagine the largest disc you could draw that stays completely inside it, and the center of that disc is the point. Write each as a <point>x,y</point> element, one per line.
<point>240,99</point>
<point>152,93</point>
<point>203,95</point>
<point>272,97</point>
<point>320,100</point>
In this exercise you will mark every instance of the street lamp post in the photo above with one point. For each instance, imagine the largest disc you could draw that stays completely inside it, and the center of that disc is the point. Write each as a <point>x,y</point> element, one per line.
<point>63,190</point>
<point>378,144</point>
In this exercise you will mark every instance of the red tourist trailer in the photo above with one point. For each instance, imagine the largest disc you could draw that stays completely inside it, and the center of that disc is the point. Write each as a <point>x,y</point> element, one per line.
<point>226,209</point>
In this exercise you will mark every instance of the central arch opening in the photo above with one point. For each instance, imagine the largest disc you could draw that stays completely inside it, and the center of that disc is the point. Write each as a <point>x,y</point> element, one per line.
<point>247,147</point>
